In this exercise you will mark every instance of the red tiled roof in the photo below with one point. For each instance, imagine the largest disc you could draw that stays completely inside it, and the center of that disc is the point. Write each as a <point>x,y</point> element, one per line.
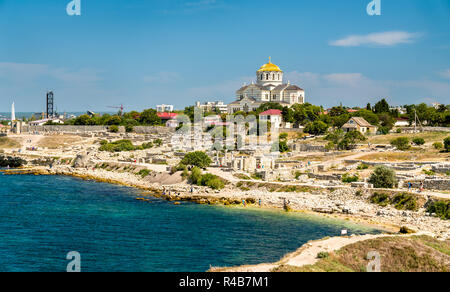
<point>167,116</point>
<point>272,112</point>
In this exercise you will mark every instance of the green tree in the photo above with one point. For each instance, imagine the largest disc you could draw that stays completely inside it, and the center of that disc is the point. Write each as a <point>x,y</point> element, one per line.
<point>198,158</point>
<point>447,144</point>
<point>383,177</point>
<point>381,107</point>
<point>149,117</point>
<point>401,143</point>
<point>316,128</point>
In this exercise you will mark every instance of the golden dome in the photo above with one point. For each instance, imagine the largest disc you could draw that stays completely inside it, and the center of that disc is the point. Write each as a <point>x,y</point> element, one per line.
<point>269,67</point>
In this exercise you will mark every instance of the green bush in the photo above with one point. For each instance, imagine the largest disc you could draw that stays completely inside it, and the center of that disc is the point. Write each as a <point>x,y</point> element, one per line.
<point>383,177</point>
<point>418,141</point>
<point>401,143</point>
<point>198,159</point>
<point>114,129</point>
<point>429,172</point>
<point>362,166</point>
<point>117,146</point>
<point>323,255</point>
<point>196,175</point>
<point>129,128</point>
<point>144,172</point>
<point>405,202</point>
<point>206,180</point>
<point>380,199</point>
<point>440,208</point>
<point>447,144</point>
<point>438,145</point>
<point>347,178</point>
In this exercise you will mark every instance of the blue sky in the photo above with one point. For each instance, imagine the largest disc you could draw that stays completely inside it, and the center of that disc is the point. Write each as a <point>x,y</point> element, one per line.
<point>140,53</point>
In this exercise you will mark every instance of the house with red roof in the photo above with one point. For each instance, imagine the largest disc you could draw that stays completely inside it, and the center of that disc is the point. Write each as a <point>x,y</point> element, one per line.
<point>169,119</point>
<point>274,116</point>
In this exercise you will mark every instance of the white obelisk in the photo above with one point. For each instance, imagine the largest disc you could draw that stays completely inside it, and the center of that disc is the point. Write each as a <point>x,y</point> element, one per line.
<point>13,113</point>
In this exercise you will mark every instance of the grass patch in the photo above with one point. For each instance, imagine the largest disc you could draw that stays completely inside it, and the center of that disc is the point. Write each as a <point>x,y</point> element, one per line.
<point>6,143</point>
<point>144,172</point>
<point>440,208</point>
<point>398,254</point>
<point>400,201</point>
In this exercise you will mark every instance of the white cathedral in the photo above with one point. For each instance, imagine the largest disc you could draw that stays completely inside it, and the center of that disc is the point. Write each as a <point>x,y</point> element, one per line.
<point>269,88</point>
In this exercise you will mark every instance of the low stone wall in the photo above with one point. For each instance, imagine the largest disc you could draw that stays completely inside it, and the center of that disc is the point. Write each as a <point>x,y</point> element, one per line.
<point>67,129</point>
<point>441,168</point>
<point>426,129</point>
<point>308,148</point>
<point>325,176</point>
<point>430,184</point>
<point>153,130</point>
<point>95,129</point>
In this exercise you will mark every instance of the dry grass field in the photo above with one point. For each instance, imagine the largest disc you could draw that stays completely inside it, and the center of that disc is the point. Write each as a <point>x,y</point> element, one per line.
<point>414,155</point>
<point>429,137</point>
<point>6,143</point>
<point>54,142</point>
<point>414,254</point>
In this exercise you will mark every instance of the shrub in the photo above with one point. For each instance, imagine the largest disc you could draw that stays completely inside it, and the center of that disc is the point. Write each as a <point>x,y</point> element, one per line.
<point>158,142</point>
<point>405,202</point>
<point>383,177</point>
<point>401,143</point>
<point>362,166</point>
<point>323,255</point>
<point>380,199</point>
<point>196,175</point>
<point>117,146</point>
<point>447,144</point>
<point>440,208</point>
<point>216,184</point>
<point>347,178</point>
<point>129,128</point>
<point>438,145</point>
<point>399,131</point>
<point>198,159</point>
<point>418,141</point>
<point>429,172</point>
<point>114,129</point>
<point>144,172</point>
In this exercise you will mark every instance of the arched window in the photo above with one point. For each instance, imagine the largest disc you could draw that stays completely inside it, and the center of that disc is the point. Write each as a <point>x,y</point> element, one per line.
<point>267,76</point>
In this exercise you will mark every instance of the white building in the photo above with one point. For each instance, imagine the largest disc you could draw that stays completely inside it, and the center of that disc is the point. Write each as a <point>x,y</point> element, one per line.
<point>269,88</point>
<point>275,117</point>
<point>213,106</point>
<point>164,108</point>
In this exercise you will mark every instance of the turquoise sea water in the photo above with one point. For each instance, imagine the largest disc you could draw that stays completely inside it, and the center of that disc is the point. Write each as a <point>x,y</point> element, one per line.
<point>42,218</point>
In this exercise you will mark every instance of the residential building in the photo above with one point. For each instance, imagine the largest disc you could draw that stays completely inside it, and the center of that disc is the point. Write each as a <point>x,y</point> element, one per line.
<point>162,108</point>
<point>213,106</point>
<point>275,117</point>
<point>359,124</point>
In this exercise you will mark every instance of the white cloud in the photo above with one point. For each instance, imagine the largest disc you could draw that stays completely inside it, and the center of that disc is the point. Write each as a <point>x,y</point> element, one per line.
<point>385,39</point>
<point>445,74</point>
<point>162,77</point>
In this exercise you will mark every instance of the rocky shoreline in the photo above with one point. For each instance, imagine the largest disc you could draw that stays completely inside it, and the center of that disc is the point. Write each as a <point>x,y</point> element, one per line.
<point>345,203</point>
